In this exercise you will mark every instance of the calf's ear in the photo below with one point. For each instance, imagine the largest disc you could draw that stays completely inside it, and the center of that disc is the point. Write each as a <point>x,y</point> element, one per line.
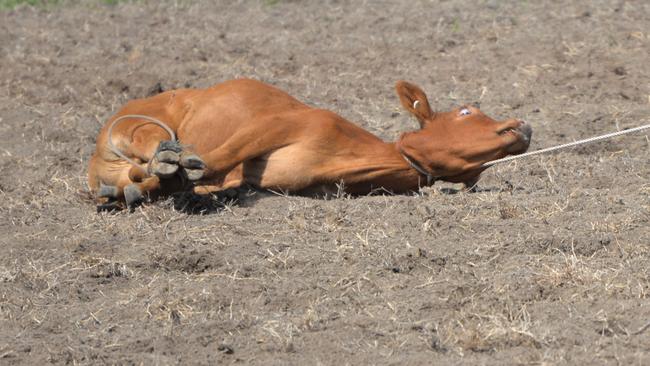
<point>415,101</point>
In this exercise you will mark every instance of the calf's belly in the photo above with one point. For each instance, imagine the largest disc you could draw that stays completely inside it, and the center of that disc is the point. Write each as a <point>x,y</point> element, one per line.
<point>289,168</point>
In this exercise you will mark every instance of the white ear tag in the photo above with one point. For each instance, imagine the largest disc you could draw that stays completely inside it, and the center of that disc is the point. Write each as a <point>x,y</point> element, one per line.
<point>415,104</point>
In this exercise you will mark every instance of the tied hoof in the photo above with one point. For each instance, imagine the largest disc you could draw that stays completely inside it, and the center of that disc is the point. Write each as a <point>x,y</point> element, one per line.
<point>163,170</point>
<point>168,145</point>
<point>165,160</point>
<point>167,156</point>
<point>193,166</point>
<point>193,174</point>
<point>107,191</point>
<point>110,206</point>
<point>133,196</point>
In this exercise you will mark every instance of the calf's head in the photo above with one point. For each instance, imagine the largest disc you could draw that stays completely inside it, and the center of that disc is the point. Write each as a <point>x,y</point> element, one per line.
<point>453,145</point>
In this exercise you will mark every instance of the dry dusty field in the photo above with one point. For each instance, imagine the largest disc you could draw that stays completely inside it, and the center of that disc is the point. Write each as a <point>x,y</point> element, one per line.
<point>548,263</point>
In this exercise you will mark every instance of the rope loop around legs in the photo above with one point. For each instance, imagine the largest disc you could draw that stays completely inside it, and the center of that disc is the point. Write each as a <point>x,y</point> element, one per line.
<point>120,119</point>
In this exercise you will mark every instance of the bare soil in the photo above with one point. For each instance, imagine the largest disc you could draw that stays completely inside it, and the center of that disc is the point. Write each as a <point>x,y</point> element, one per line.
<point>548,263</point>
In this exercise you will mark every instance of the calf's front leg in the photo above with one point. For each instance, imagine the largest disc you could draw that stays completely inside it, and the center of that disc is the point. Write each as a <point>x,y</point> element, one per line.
<point>245,145</point>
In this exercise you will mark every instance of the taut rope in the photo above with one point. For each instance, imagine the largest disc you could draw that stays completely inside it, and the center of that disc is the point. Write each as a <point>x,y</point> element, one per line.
<point>564,146</point>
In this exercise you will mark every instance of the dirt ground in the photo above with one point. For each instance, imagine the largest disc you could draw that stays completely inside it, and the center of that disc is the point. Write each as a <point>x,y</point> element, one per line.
<point>548,263</point>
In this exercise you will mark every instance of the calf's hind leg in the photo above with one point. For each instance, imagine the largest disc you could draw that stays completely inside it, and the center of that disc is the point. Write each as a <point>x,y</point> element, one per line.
<point>131,185</point>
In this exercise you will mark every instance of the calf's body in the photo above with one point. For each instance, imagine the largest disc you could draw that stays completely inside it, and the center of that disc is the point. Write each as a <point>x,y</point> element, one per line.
<point>247,132</point>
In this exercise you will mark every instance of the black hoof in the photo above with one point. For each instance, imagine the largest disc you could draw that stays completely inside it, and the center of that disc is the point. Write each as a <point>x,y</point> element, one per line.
<point>193,174</point>
<point>166,158</point>
<point>169,145</point>
<point>192,161</point>
<point>193,166</point>
<point>109,206</point>
<point>163,170</point>
<point>133,196</point>
<point>107,191</point>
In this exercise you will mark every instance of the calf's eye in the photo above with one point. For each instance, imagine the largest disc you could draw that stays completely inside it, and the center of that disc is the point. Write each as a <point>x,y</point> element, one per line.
<point>464,112</point>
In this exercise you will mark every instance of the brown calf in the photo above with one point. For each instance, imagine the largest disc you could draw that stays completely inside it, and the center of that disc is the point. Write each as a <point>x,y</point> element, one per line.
<point>247,132</point>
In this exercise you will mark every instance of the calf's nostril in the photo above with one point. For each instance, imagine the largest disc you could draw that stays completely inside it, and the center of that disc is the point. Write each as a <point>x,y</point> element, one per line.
<point>527,130</point>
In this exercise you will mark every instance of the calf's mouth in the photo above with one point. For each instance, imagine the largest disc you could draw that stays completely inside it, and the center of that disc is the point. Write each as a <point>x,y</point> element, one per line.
<point>520,135</point>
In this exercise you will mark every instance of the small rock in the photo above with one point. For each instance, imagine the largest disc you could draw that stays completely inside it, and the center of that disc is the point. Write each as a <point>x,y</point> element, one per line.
<point>225,349</point>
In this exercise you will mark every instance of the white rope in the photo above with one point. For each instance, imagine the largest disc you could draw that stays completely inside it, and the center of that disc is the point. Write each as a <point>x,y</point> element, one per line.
<point>564,146</point>
<point>117,151</point>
